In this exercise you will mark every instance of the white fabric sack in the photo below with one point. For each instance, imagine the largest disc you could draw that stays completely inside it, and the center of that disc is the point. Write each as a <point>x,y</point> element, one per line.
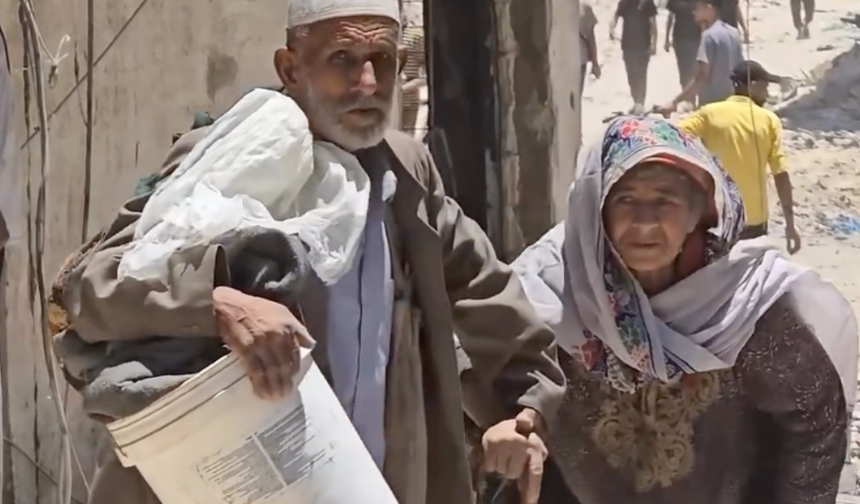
<point>257,167</point>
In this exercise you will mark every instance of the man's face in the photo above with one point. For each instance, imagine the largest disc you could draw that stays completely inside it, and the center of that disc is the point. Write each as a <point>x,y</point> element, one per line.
<point>759,92</point>
<point>343,72</point>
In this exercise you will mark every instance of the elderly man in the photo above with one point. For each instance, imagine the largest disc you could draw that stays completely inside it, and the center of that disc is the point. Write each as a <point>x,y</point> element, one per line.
<point>384,331</point>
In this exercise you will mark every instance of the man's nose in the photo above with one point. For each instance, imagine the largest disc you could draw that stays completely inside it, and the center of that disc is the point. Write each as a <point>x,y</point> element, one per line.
<point>367,80</point>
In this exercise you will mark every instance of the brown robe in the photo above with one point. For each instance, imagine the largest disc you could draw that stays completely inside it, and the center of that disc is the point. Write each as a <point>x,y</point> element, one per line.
<point>450,281</point>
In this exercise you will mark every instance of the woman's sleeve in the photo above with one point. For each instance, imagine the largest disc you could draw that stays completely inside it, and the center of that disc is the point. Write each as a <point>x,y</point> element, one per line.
<point>785,373</point>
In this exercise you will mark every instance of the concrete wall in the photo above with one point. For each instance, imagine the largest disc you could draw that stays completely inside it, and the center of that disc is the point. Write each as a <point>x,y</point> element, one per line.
<point>157,61</point>
<point>540,99</point>
<point>565,68</point>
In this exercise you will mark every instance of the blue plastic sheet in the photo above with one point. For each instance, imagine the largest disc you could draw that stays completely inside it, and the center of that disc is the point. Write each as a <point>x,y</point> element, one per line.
<point>843,224</point>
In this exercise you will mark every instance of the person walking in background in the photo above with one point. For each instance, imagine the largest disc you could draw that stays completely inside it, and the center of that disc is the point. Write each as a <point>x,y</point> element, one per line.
<point>802,24</point>
<point>414,75</point>
<point>719,52</point>
<point>747,138</point>
<point>587,43</point>
<point>683,35</point>
<point>730,13</point>
<point>638,44</point>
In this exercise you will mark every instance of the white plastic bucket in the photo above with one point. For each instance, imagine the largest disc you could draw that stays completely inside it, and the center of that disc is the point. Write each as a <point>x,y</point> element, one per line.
<point>212,441</point>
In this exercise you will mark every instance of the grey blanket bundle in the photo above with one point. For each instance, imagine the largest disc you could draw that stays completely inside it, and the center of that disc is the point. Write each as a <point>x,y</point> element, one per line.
<point>120,378</point>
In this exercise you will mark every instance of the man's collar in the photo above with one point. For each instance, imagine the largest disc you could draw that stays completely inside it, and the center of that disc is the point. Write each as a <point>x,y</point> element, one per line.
<point>397,147</point>
<point>741,99</point>
<point>400,145</point>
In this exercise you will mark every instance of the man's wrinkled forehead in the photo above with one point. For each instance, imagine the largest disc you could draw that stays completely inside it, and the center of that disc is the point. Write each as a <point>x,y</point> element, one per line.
<point>345,32</point>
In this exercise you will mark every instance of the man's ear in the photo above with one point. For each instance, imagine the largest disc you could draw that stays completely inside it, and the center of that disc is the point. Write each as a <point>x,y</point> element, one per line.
<point>286,66</point>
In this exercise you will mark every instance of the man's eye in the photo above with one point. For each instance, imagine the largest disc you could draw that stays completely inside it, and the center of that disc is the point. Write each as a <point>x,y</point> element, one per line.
<point>382,60</point>
<point>340,57</point>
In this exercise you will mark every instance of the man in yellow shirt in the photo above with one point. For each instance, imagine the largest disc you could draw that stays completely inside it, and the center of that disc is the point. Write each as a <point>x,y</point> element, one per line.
<point>747,138</point>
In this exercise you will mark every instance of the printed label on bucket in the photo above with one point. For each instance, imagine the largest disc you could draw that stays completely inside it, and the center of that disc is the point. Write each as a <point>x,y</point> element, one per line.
<point>308,453</point>
<point>235,448</point>
<point>265,464</point>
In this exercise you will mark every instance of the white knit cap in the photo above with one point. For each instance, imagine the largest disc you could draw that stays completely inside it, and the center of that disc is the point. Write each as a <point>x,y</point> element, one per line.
<point>305,12</point>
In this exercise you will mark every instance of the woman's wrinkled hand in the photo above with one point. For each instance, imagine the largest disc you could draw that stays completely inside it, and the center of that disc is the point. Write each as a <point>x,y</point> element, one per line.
<point>265,336</point>
<point>514,449</point>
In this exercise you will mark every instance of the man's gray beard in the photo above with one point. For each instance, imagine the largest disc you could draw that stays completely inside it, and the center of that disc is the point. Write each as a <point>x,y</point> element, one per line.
<point>324,118</point>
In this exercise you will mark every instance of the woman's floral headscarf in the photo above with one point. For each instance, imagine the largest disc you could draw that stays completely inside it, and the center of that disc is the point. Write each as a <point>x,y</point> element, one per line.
<point>619,329</point>
<point>599,312</point>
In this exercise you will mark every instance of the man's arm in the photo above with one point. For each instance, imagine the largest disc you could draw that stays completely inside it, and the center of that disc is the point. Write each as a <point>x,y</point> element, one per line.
<point>776,161</point>
<point>614,22</point>
<point>498,329</point>
<point>695,123</point>
<point>782,181</point>
<point>652,24</point>
<point>786,200</point>
<point>102,307</point>
<point>703,73</point>
<point>591,46</point>
<point>741,23</point>
<point>654,35</point>
<point>588,22</point>
<point>670,23</point>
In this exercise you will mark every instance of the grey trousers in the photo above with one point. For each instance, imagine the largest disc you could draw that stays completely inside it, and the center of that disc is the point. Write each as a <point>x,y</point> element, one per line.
<point>636,63</point>
<point>686,50</point>
<point>808,12</point>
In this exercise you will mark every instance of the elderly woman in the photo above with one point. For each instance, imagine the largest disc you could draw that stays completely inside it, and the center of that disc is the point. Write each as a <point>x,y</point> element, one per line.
<point>701,369</point>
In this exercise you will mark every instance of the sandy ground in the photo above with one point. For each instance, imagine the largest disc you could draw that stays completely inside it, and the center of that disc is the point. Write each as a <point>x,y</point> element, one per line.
<point>821,119</point>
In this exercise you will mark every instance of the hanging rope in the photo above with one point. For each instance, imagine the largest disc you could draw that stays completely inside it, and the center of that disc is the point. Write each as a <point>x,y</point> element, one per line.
<point>34,48</point>
<point>54,58</point>
<point>758,148</point>
<point>88,161</point>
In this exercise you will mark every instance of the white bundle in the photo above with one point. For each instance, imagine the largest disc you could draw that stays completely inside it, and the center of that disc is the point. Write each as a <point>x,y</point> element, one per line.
<point>257,167</point>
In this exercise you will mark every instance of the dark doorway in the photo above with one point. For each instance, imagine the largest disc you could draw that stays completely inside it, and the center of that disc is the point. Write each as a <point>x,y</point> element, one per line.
<point>465,135</point>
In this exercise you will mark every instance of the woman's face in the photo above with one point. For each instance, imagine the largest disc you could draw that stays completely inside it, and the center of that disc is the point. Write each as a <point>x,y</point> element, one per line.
<point>648,214</point>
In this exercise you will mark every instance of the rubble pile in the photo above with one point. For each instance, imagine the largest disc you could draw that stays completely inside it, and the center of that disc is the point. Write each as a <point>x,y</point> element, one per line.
<point>831,110</point>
